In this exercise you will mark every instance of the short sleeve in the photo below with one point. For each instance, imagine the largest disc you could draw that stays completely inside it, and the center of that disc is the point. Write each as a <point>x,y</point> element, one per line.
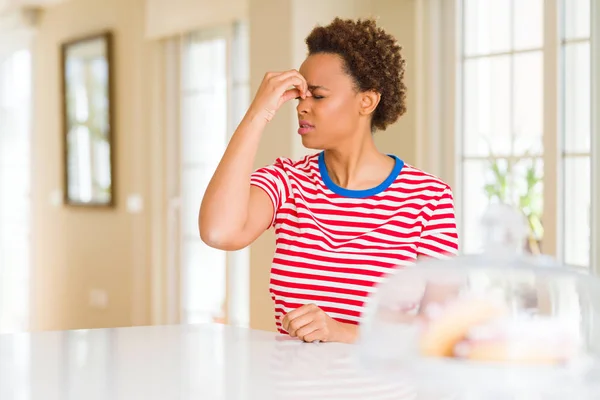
<point>273,180</point>
<point>439,237</point>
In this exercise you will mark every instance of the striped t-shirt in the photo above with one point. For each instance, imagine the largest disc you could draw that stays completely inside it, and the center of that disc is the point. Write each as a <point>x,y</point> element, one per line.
<point>334,245</point>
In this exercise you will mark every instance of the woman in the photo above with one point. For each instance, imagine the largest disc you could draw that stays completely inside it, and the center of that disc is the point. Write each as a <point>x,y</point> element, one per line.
<point>345,217</point>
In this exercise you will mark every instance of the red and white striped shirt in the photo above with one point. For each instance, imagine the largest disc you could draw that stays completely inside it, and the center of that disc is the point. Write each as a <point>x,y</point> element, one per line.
<point>333,245</point>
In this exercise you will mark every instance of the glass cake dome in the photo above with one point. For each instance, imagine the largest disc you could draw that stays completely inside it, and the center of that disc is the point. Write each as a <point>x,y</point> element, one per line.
<point>497,322</point>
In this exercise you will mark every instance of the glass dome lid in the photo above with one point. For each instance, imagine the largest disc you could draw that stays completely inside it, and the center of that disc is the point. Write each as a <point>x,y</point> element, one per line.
<point>498,321</point>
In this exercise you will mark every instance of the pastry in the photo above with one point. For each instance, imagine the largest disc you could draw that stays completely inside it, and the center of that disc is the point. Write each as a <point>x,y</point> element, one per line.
<point>448,325</point>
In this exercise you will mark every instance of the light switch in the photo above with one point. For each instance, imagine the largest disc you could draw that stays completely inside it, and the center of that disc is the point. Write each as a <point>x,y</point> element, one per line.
<point>56,198</point>
<point>98,298</point>
<point>135,204</point>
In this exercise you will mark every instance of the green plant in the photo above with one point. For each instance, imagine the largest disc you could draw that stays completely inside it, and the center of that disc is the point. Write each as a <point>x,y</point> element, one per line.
<point>519,184</point>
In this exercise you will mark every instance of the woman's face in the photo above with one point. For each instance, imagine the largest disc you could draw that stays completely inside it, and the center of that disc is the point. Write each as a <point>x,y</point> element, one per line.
<point>331,116</point>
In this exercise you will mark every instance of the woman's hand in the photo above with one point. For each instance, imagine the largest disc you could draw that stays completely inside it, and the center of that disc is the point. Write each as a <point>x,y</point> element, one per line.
<point>309,323</point>
<point>277,88</point>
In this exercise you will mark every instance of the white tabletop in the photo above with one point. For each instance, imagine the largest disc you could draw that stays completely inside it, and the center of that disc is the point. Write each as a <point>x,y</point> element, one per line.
<point>182,362</point>
<point>204,362</point>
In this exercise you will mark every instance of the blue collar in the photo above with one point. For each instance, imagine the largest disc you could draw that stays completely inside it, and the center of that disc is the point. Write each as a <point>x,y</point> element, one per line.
<point>357,194</point>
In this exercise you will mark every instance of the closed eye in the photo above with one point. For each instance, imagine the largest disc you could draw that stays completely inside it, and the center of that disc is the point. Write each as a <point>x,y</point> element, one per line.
<point>313,96</point>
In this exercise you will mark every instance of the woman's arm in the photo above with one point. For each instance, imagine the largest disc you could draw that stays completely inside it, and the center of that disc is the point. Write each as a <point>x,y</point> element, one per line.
<point>233,213</point>
<point>224,219</point>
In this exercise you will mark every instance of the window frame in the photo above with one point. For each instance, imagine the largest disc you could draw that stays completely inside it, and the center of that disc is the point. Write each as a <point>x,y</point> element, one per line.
<point>11,44</point>
<point>439,96</point>
<point>595,139</point>
<point>236,293</point>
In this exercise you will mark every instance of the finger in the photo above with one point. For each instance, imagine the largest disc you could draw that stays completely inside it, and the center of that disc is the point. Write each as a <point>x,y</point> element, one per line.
<point>313,333</point>
<point>272,75</point>
<point>298,323</point>
<point>294,81</point>
<point>291,94</point>
<point>285,322</point>
<point>295,314</point>
<point>307,328</point>
<point>296,78</point>
<point>287,74</point>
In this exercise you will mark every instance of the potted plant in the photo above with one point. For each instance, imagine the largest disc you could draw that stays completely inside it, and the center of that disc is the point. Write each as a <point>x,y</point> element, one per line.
<point>519,184</point>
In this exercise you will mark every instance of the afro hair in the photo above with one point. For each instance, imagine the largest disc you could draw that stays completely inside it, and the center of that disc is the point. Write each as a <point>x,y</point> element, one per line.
<point>371,57</point>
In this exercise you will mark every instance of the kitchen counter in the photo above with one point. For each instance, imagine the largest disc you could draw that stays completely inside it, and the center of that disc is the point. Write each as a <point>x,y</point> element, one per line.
<point>220,362</point>
<point>182,362</point>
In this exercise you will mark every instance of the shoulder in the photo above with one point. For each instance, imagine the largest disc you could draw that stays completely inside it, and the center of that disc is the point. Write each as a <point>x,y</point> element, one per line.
<point>303,163</point>
<point>288,166</point>
<point>414,177</point>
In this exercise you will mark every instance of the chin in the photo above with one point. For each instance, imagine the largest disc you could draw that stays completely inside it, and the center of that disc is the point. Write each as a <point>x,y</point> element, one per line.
<point>311,144</point>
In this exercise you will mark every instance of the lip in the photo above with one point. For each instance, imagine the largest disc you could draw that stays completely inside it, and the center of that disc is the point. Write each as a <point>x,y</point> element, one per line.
<point>305,127</point>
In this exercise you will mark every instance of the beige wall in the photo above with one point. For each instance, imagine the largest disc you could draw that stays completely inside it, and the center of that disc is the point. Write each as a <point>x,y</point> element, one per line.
<point>305,15</point>
<point>169,17</point>
<point>398,18</point>
<point>278,44</point>
<point>76,250</point>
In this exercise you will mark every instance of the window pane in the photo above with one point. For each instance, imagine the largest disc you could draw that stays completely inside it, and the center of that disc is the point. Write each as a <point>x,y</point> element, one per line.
<point>474,203</point>
<point>15,202</point>
<point>193,185</point>
<point>205,117</point>
<point>204,129</point>
<point>14,279</point>
<point>487,26</point>
<point>528,196</point>
<point>240,101</point>
<point>528,24</point>
<point>577,211</point>
<point>528,102</point>
<point>487,106</point>
<point>577,100</point>
<point>204,63</point>
<point>576,19</point>
<point>204,280</point>
<point>485,182</point>
<point>241,53</point>
<point>195,70</point>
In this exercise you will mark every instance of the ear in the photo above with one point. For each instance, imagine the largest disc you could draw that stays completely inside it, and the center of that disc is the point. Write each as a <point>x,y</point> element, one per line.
<point>369,101</point>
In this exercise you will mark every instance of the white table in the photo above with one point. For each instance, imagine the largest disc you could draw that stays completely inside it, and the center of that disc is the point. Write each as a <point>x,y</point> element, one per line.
<point>182,362</point>
<point>200,362</point>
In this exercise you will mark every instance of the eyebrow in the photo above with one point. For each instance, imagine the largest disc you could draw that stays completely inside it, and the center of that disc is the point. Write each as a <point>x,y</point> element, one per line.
<point>315,87</point>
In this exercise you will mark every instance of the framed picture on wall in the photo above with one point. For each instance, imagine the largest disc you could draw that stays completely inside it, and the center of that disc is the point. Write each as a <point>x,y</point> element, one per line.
<point>88,132</point>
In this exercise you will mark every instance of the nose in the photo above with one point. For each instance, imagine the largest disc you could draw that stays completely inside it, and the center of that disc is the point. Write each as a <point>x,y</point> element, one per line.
<point>303,106</point>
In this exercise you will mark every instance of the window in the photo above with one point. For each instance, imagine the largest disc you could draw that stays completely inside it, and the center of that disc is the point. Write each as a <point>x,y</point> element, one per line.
<point>525,119</point>
<point>576,131</point>
<point>15,112</point>
<point>213,96</point>
<point>203,139</point>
